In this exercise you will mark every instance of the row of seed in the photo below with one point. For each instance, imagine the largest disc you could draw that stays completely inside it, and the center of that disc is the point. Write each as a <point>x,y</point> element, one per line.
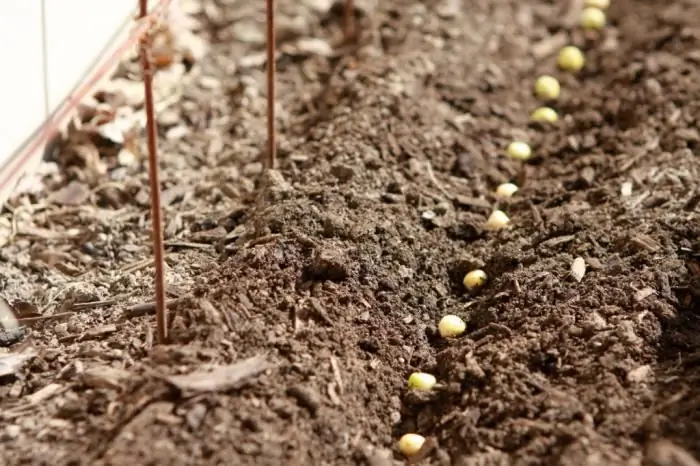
<point>547,89</point>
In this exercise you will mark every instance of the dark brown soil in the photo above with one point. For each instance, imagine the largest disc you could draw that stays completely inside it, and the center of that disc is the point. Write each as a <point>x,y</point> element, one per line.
<point>332,269</point>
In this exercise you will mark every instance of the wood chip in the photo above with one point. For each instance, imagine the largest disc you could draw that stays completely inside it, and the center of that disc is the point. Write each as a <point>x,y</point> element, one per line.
<point>222,378</point>
<point>44,394</point>
<point>578,269</point>
<point>642,241</point>
<point>644,293</point>
<point>556,241</point>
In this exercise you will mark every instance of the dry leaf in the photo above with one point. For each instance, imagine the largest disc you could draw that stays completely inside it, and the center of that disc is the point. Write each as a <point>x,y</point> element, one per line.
<point>75,193</point>
<point>59,260</point>
<point>578,269</point>
<point>105,377</point>
<point>11,363</point>
<point>222,378</point>
<point>644,293</point>
<point>44,394</point>
<point>8,319</point>
<point>24,310</point>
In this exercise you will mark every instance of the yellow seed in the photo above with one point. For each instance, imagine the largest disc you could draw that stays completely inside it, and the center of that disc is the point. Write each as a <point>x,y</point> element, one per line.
<point>474,279</point>
<point>421,381</point>
<point>547,88</point>
<point>544,114</point>
<point>497,220</point>
<point>451,326</point>
<point>592,19</point>
<point>600,4</point>
<point>410,444</point>
<point>506,190</point>
<point>519,150</point>
<point>571,59</point>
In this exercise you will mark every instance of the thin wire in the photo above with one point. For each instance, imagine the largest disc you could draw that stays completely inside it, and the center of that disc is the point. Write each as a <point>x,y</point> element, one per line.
<point>271,70</point>
<point>154,178</point>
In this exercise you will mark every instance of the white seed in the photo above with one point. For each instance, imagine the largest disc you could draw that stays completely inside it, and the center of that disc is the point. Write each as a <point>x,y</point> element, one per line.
<point>474,279</point>
<point>544,114</point>
<point>578,268</point>
<point>519,150</point>
<point>497,220</point>
<point>601,4</point>
<point>506,190</point>
<point>571,59</point>
<point>421,381</point>
<point>547,87</point>
<point>410,444</point>
<point>593,19</point>
<point>451,326</point>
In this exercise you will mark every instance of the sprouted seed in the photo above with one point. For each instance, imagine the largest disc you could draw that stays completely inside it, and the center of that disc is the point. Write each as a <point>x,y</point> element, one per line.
<point>497,220</point>
<point>547,87</point>
<point>506,190</point>
<point>519,150</point>
<point>544,114</point>
<point>571,59</point>
<point>410,444</point>
<point>421,381</point>
<point>474,279</point>
<point>451,326</point>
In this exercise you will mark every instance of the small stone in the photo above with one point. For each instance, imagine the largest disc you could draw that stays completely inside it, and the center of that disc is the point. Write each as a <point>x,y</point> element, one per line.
<point>640,374</point>
<point>329,263</point>
<point>428,215</point>
<point>177,132</point>
<point>343,172</point>
<point>252,169</point>
<point>168,118</point>
<point>307,397</point>
<point>11,432</point>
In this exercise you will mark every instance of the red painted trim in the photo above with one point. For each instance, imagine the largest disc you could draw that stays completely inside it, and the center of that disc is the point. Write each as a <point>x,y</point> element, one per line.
<point>50,126</point>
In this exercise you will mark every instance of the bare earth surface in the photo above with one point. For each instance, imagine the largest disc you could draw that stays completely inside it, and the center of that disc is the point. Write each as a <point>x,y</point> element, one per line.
<point>337,267</point>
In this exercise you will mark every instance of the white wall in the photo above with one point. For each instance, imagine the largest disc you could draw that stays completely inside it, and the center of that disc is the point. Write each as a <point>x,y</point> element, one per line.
<point>47,48</point>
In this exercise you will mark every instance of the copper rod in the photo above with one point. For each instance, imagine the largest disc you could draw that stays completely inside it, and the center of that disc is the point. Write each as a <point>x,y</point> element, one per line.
<point>349,24</point>
<point>154,179</point>
<point>271,70</point>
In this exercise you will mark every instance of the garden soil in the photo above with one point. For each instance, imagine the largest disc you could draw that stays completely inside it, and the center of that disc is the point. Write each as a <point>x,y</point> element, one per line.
<point>313,291</point>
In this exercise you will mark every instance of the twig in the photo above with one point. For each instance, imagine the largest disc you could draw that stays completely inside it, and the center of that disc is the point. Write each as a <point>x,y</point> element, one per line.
<point>93,304</point>
<point>143,309</point>
<point>188,244</point>
<point>154,177</point>
<point>271,70</point>
<point>32,320</point>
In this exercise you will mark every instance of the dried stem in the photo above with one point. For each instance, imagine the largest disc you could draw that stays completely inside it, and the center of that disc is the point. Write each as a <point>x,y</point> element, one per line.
<point>349,25</point>
<point>154,178</point>
<point>271,70</point>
